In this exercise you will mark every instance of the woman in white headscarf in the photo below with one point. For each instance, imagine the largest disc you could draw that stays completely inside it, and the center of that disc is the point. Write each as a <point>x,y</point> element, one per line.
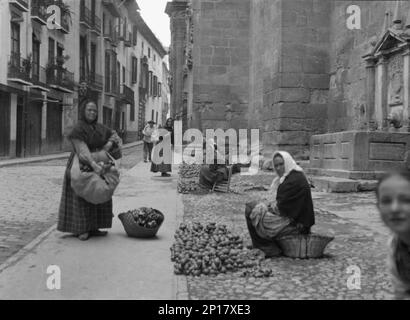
<point>290,213</point>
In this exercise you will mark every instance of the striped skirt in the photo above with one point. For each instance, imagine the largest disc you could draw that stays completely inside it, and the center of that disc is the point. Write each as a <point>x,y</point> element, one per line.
<point>78,216</point>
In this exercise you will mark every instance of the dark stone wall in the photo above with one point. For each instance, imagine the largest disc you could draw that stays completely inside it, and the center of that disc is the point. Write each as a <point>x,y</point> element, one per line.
<point>290,65</point>
<point>221,63</point>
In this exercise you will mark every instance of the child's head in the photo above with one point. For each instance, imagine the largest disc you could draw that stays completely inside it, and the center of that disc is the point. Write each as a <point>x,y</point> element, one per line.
<point>393,201</point>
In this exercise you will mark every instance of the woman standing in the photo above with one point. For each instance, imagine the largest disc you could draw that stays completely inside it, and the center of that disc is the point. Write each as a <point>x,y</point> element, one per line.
<point>393,202</point>
<point>292,211</point>
<point>76,215</point>
<point>163,167</point>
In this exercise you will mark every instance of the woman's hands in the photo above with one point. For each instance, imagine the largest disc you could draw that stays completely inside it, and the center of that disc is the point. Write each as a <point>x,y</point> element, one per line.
<point>96,167</point>
<point>108,146</point>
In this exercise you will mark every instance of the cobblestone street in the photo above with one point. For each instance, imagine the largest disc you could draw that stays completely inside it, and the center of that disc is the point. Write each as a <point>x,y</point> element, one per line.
<point>360,240</point>
<point>30,196</point>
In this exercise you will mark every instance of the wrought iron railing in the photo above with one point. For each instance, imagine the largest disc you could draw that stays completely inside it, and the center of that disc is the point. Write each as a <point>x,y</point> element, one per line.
<point>127,93</point>
<point>95,80</point>
<point>18,67</point>
<point>59,76</point>
<point>85,15</point>
<point>96,24</point>
<point>39,75</point>
<point>39,11</point>
<point>22,4</point>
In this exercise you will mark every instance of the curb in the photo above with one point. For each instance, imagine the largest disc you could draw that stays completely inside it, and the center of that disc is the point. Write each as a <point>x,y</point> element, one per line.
<point>180,281</point>
<point>37,240</point>
<point>26,249</point>
<point>64,155</point>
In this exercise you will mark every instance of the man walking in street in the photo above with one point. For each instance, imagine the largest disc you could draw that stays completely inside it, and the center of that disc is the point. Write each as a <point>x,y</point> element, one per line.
<point>148,143</point>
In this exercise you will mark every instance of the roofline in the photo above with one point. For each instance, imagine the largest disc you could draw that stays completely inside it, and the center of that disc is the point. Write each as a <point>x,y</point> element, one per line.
<point>149,35</point>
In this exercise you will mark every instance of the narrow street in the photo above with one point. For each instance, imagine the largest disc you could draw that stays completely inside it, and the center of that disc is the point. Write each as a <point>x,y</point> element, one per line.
<point>113,267</point>
<point>29,199</point>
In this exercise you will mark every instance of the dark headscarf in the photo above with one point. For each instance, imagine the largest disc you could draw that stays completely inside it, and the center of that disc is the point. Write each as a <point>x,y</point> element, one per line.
<point>94,134</point>
<point>170,128</point>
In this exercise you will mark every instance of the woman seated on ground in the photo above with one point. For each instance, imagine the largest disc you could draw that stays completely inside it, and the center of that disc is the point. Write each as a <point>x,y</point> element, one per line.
<point>216,172</point>
<point>291,213</point>
<point>393,202</point>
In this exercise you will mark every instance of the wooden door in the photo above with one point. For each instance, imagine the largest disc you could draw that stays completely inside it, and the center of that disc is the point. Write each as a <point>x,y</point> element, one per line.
<point>54,127</point>
<point>33,129</point>
<point>4,124</point>
<point>20,130</point>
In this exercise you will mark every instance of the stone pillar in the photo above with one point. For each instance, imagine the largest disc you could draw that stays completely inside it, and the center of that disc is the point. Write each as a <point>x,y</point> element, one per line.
<point>381,94</point>
<point>406,85</point>
<point>177,13</point>
<point>370,93</point>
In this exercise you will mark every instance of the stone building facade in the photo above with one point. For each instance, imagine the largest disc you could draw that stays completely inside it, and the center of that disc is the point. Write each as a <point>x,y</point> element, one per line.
<point>296,70</point>
<point>104,51</point>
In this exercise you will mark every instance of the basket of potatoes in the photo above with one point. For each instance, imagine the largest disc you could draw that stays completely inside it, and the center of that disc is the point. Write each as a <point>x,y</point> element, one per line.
<point>142,222</point>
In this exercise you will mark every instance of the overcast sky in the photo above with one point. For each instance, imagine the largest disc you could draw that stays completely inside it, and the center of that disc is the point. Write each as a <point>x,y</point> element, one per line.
<point>153,12</point>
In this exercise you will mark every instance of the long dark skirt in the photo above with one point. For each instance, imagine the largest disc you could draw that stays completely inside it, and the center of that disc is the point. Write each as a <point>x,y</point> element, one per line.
<point>162,167</point>
<point>77,215</point>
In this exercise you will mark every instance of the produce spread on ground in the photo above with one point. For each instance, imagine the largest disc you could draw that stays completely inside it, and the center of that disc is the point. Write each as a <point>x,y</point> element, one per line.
<point>212,249</point>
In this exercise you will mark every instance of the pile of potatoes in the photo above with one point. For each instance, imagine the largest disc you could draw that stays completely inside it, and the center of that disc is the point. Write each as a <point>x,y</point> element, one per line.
<point>210,250</point>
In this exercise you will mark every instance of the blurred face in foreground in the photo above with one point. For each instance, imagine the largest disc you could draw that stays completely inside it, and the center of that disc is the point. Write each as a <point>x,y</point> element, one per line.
<point>91,112</point>
<point>279,165</point>
<point>394,204</point>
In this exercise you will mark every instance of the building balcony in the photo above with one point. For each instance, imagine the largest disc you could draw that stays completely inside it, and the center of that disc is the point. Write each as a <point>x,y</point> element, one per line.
<point>93,79</point>
<point>128,40</point>
<point>39,77</point>
<point>39,11</point>
<point>85,17</point>
<point>96,25</point>
<point>127,94</point>
<point>60,78</point>
<point>112,7</point>
<point>22,5</point>
<point>65,24</point>
<point>19,69</point>
<point>114,39</point>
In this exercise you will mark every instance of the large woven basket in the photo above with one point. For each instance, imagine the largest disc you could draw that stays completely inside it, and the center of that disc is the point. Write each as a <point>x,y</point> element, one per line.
<point>134,230</point>
<point>304,246</point>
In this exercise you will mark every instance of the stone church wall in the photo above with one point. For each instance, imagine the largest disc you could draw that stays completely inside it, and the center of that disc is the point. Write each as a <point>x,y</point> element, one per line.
<point>221,63</point>
<point>347,96</point>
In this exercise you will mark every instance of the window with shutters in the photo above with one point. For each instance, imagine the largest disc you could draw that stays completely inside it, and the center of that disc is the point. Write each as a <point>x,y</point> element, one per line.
<point>159,89</point>
<point>107,72</point>
<point>134,65</point>
<point>135,35</point>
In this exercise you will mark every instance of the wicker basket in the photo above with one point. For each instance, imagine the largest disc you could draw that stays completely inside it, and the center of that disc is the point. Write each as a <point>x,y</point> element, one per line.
<point>134,230</point>
<point>304,246</point>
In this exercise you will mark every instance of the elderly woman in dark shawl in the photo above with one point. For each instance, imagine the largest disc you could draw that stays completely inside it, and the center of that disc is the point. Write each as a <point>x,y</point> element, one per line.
<point>163,167</point>
<point>76,215</point>
<point>213,172</point>
<point>291,213</point>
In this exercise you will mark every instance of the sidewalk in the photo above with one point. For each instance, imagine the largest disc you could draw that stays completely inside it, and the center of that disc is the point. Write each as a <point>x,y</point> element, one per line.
<point>114,267</point>
<point>48,157</point>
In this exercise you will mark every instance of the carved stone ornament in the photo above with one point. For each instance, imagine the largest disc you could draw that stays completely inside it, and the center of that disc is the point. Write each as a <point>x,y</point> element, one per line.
<point>395,80</point>
<point>390,48</point>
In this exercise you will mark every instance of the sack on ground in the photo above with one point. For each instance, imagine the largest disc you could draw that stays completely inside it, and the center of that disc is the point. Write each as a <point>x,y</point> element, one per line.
<point>91,186</point>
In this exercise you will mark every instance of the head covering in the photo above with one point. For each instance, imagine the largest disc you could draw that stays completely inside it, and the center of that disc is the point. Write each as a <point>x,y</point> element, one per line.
<point>82,116</point>
<point>290,165</point>
<point>150,122</point>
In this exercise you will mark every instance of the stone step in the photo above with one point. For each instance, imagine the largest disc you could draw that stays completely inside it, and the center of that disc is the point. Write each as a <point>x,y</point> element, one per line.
<point>341,185</point>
